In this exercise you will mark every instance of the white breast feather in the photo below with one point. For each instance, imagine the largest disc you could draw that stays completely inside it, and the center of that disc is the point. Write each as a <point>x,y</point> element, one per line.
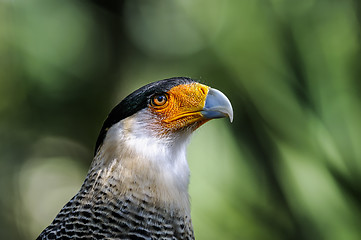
<point>137,148</point>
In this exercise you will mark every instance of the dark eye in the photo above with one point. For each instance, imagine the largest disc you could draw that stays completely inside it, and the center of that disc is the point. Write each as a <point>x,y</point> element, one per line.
<point>159,100</point>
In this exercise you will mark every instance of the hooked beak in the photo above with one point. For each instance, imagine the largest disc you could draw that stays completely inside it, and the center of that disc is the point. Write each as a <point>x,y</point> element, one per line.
<point>217,105</point>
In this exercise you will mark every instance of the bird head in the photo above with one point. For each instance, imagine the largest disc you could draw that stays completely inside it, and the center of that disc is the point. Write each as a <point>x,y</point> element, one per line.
<point>168,109</point>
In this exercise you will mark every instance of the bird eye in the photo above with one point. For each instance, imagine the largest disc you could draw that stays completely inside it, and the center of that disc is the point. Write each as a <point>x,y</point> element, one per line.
<point>159,100</point>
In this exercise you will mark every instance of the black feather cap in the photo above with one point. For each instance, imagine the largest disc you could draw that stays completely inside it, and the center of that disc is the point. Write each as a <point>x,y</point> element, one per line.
<point>136,101</point>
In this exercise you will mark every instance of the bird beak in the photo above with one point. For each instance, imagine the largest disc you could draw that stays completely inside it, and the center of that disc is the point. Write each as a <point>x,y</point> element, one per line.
<point>217,105</point>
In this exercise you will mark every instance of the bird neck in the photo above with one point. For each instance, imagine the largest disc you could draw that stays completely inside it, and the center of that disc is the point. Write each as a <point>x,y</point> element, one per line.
<point>140,166</point>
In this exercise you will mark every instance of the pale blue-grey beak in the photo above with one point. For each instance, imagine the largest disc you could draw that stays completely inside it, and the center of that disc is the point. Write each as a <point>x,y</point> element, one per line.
<point>217,105</point>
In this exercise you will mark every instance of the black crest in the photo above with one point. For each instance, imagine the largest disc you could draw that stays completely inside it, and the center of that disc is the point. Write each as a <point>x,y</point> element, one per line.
<point>136,101</point>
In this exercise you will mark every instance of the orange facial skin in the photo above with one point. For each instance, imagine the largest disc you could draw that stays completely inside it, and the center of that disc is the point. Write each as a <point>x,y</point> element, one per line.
<point>182,107</point>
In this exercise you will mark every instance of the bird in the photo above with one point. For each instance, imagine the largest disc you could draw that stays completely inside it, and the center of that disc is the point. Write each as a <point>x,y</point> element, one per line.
<point>137,183</point>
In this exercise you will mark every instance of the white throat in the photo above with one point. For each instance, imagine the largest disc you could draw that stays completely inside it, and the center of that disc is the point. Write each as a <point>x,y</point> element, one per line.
<point>141,158</point>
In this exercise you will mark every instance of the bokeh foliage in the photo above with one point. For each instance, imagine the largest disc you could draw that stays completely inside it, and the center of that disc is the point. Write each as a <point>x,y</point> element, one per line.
<point>289,165</point>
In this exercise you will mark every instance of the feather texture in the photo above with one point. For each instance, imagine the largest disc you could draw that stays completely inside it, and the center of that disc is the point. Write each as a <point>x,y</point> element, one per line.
<point>136,188</point>
<point>137,185</point>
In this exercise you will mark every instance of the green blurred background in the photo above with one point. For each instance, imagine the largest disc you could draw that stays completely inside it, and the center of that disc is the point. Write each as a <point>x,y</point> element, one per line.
<point>288,167</point>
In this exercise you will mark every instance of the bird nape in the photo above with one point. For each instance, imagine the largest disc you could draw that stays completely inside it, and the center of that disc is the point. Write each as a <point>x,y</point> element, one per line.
<point>137,185</point>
